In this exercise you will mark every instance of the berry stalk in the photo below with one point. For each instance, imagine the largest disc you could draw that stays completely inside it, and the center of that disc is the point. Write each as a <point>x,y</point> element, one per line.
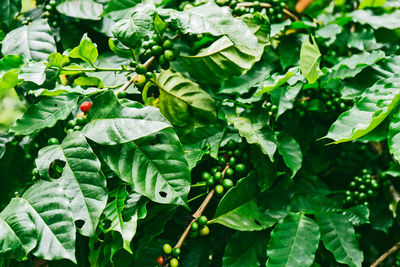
<point>199,211</point>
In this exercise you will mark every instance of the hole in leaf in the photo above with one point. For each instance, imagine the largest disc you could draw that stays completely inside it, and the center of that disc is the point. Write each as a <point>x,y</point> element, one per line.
<point>56,169</point>
<point>106,224</point>
<point>257,222</point>
<point>79,224</point>
<point>101,236</point>
<point>163,194</point>
<point>97,245</point>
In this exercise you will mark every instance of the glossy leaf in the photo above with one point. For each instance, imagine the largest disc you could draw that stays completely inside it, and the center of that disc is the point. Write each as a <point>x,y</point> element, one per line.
<point>132,31</point>
<point>245,249</point>
<point>86,50</point>
<point>290,151</point>
<point>275,81</point>
<point>5,138</point>
<point>309,60</point>
<point>182,101</point>
<point>212,19</point>
<point>33,71</point>
<point>389,21</point>
<point>338,236</point>
<point>155,165</point>
<point>45,114</point>
<point>34,41</point>
<point>369,111</point>
<point>120,8</point>
<point>221,60</point>
<point>114,213</point>
<point>238,209</point>
<point>9,9</point>
<point>293,242</point>
<point>9,80</point>
<point>394,134</point>
<point>353,65</point>
<point>81,9</point>
<point>256,131</point>
<point>82,180</point>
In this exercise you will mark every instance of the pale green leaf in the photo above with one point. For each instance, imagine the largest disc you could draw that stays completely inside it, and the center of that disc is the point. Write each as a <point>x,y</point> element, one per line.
<point>309,60</point>
<point>81,9</point>
<point>86,50</point>
<point>293,242</point>
<point>33,71</point>
<point>290,151</point>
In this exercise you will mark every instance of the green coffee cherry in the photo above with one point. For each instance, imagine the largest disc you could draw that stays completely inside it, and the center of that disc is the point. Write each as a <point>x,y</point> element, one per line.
<point>232,161</point>
<point>214,169</point>
<point>194,226</point>
<point>53,141</point>
<point>210,181</point>
<point>168,44</point>
<point>227,183</point>
<point>219,189</point>
<point>240,167</point>
<point>176,252</point>
<point>71,123</point>
<point>202,220</point>
<point>204,230</point>
<point>157,50</point>
<point>205,176</point>
<point>217,176</point>
<point>169,55</point>
<point>231,144</point>
<point>167,249</point>
<point>229,172</point>
<point>194,234</point>
<point>77,128</point>
<point>81,121</point>
<point>173,262</point>
<point>221,160</point>
<point>140,69</point>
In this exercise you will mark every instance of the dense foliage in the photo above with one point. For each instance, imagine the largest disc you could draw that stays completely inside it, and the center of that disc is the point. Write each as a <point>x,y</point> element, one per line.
<point>203,133</point>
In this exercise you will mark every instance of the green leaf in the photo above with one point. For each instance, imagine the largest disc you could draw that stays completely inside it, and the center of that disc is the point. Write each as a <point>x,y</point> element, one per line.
<point>357,215</point>
<point>371,3</point>
<point>17,231</point>
<point>82,180</point>
<point>124,125</point>
<point>350,67</point>
<point>221,60</point>
<point>256,130</point>
<point>86,50</point>
<point>245,249</point>
<point>290,151</point>
<point>338,236</point>
<point>293,242</point>
<point>182,101</point>
<point>132,31</point>
<point>9,80</point>
<point>57,60</point>
<point>119,9</point>
<point>81,9</point>
<point>155,165</point>
<point>9,9</point>
<point>114,213</point>
<point>275,81</point>
<point>212,19</point>
<point>381,216</point>
<point>33,71</point>
<point>89,81</point>
<point>285,96</point>
<point>253,78</point>
<point>5,138</point>
<point>369,111</point>
<point>394,134</point>
<point>387,20</point>
<point>34,41</point>
<point>37,219</point>
<point>238,210</point>
<point>309,60</point>
<point>10,62</point>
<point>45,114</point>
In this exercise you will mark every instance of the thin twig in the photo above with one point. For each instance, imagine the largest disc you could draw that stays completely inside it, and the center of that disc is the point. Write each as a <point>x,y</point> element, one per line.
<point>128,83</point>
<point>286,11</point>
<point>386,254</point>
<point>198,212</point>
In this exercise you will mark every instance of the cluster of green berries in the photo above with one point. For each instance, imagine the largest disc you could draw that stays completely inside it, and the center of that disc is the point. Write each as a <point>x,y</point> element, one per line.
<point>77,123</point>
<point>27,21</point>
<point>271,108</point>
<point>361,189</point>
<point>50,14</point>
<point>199,227</point>
<point>273,9</point>
<point>397,262</point>
<point>229,167</point>
<point>171,256</point>
<point>161,48</point>
<point>321,100</point>
<point>186,5</point>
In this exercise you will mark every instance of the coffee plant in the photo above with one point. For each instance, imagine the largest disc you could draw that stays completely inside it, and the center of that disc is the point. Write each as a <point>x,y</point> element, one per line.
<point>200,133</point>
